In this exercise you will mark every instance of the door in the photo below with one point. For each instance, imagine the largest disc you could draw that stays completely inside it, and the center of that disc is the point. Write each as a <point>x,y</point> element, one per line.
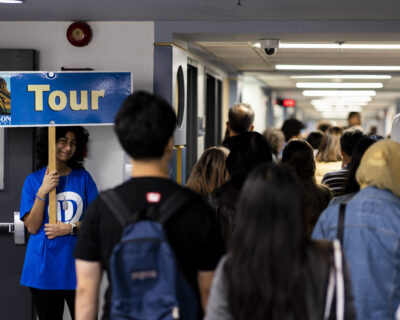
<point>192,134</point>
<point>213,111</point>
<point>16,158</point>
<point>15,302</point>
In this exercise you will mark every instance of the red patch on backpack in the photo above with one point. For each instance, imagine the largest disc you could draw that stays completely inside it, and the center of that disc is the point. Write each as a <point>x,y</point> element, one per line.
<point>153,197</point>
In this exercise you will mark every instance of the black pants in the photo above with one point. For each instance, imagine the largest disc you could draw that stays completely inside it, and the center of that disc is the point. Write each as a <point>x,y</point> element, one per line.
<point>49,304</point>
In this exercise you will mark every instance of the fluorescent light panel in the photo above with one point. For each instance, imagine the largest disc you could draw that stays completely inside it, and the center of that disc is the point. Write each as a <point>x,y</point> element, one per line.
<point>343,76</point>
<point>366,46</point>
<point>330,93</point>
<point>334,115</point>
<point>338,108</point>
<point>344,85</point>
<point>12,1</point>
<point>338,68</point>
<point>339,105</point>
<point>343,99</point>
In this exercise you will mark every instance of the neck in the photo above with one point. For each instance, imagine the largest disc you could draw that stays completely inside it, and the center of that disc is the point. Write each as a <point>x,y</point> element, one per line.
<point>62,168</point>
<point>346,159</point>
<point>232,133</point>
<point>150,168</point>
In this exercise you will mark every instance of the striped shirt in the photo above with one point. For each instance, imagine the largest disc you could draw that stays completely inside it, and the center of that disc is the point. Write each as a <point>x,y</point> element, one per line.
<point>335,181</point>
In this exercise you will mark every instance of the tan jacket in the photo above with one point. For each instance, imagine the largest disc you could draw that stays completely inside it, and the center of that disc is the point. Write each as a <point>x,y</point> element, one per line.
<point>323,167</point>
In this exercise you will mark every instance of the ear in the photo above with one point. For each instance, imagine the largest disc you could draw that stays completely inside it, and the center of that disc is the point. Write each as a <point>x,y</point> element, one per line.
<point>228,126</point>
<point>169,148</point>
<point>251,127</point>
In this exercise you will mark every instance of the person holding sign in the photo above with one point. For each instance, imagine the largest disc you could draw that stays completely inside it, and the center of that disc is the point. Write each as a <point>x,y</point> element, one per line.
<point>49,269</point>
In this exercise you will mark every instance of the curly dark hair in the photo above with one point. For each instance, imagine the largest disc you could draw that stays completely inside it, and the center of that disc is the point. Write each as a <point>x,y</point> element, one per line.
<point>42,146</point>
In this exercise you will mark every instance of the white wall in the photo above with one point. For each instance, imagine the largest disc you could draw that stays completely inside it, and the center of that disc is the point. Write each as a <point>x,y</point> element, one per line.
<point>116,46</point>
<point>253,94</point>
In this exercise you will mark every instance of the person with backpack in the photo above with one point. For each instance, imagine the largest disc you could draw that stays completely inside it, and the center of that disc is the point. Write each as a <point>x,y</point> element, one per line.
<point>158,242</point>
<point>369,228</point>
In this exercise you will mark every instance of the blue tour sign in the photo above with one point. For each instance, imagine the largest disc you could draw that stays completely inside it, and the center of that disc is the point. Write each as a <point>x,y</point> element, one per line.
<point>61,98</point>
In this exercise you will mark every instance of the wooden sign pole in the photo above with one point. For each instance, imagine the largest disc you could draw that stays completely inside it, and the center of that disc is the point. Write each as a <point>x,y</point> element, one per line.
<point>52,167</point>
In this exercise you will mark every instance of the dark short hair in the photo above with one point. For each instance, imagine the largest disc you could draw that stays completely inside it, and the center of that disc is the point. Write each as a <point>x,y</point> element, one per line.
<point>42,146</point>
<point>240,120</point>
<point>349,139</point>
<point>299,155</point>
<point>353,114</point>
<point>315,139</point>
<point>351,185</point>
<point>144,124</point>
<point>324,125</point>
<point>250,149</point>
<point>292,128</point>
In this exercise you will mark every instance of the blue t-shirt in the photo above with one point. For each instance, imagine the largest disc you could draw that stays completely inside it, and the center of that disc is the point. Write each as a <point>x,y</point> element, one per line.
<point>49,264</point>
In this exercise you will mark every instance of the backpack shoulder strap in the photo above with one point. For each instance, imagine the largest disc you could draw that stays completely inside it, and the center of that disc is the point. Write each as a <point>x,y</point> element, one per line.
<point>340,230</point>
<point>117,207</point>
<point>174,202</point>
<point>336,286</point>
<point>340,287</point>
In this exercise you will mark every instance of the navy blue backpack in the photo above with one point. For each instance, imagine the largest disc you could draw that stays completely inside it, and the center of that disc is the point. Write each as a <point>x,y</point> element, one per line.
<point>146,282</point>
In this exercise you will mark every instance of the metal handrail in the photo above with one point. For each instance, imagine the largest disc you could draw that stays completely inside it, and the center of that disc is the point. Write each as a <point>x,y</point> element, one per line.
<point>17,228</point>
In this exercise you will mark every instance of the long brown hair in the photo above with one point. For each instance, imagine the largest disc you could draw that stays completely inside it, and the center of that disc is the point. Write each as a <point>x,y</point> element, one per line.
<point>329,149</point>
<point>209,171</point>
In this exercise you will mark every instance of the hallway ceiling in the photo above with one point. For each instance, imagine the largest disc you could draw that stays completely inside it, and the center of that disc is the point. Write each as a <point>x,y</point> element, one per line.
<point>235,48</point>
<point>244,57</point>
<point>205,10</point>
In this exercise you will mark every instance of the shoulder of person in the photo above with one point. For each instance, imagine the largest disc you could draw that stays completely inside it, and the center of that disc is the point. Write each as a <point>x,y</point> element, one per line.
<point>330,215</point>
<point>36,175</point>
<point>195,199</point>
<point>319,256</point>
<point>81,172</point>
<point>325,190</point>
<point>226,195</point>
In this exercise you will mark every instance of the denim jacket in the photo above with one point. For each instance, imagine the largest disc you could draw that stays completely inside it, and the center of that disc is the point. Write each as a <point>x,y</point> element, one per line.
<point>371,243</point>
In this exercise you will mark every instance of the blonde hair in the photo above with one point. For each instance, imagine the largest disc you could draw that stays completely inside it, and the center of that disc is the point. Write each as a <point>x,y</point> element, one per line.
<point>329,149</point>
<point>380,167</point>
<point>209,172</point>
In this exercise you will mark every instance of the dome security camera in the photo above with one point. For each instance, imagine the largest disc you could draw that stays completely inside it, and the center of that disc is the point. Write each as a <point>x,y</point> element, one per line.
<point>270,46</point>
<point>270,51</point>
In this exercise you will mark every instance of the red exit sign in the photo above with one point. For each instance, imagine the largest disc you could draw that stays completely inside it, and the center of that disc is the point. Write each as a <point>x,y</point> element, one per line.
<point>289,102</point>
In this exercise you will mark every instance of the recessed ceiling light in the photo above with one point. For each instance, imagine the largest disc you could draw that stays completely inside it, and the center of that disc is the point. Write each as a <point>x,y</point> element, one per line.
<point>338,93</point>
<point>12,1</point>
<point>338,68</point>
<point>343,76</point>
<point>344,85</point>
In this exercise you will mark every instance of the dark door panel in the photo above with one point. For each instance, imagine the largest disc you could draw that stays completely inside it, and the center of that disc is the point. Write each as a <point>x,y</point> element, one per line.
<point>15,302</point>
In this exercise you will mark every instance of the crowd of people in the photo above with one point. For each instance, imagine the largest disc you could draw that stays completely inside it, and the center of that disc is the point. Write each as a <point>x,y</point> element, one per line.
<point>279,225</point>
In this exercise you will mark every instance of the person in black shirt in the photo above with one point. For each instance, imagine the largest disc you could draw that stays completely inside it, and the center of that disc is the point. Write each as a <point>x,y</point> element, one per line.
<point>240,120</point>
<point>145,126</point>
